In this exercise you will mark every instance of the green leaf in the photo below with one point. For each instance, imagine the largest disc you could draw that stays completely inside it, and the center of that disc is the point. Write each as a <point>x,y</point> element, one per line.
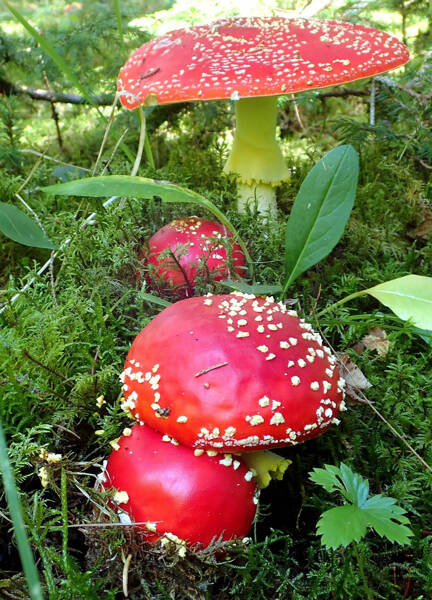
<point>409,297</point>
<point>341,525</point>
<point>24,549</point>
<point>142,187</point>
<point>17,226</point>
<point>321,211</point>
<point>356,486</point>
<point>154,299</point>
<point>327,478</point>
<point>259,289</point>
<point>425,335</point>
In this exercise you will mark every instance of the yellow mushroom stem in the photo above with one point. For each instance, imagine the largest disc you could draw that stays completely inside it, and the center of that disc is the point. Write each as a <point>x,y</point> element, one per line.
<point>266,465</point>
<point>256,157</point>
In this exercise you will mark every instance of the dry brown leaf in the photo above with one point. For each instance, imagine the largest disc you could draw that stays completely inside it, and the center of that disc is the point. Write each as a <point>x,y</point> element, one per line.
<point>424,229</point>
<point>355,380</point>
<point>377,340</point>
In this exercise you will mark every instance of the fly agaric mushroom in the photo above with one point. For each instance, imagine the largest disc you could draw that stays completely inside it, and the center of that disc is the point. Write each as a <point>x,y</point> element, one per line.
<point>253,60</point>
<point>178,494</point>
<point>232,373</point>
<point>187,250</point>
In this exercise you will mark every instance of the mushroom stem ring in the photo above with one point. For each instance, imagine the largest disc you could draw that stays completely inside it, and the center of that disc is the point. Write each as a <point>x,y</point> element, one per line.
<point>256,156</point>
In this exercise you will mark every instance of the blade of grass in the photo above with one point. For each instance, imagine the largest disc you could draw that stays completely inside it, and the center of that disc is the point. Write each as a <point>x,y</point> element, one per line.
<point>117,11</point>
<point>24,549</point>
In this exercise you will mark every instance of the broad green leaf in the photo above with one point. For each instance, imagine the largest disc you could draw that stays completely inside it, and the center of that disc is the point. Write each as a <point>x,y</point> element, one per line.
<point>127,187</point>
<point>341,525</point>
<point>141,187</point>
<point>321,211</point>
<point>24,549</point>
<point>259,289</point>
<point>17,226</point>
<point>409,297</point>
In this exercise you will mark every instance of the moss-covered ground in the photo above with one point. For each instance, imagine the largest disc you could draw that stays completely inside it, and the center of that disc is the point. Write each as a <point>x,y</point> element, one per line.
<point>64,340</point>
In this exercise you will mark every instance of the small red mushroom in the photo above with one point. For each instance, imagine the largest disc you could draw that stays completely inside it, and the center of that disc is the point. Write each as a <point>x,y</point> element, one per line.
<point>233,372</point>
<point>190,250</point>
<point>177,494</point>
<point>253,60</point>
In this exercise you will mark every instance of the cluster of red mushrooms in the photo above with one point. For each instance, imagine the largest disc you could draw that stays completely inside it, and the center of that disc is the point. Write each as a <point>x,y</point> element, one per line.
<point>214,382</point>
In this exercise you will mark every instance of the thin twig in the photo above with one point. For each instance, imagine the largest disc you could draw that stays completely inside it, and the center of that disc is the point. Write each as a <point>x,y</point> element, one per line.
<point>114,152</point>
<point>6,87</point>
<point>54,113</point>
<point>372,104</point>
<point>51,270</point>
<point>297,112</point>
<point>49,369</point>
<point>208,369</point>
<point>105,137</point>
<point>56,160</point>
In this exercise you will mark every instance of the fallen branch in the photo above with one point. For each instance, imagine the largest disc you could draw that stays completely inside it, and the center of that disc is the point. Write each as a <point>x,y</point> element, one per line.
<point>8,88</point>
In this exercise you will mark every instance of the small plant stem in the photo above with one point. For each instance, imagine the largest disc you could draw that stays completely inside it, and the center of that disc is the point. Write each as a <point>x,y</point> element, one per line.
<point>64,513</point>
<point>105,137</point>
<point>340,302</point>
<point>140,142</point>
<point>362,573</point>
<point>37,362</point>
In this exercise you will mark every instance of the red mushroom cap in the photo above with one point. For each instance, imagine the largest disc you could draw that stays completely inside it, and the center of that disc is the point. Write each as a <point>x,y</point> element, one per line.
<point>232,372</point>
<point>196,244</point>
<point>180,493</point>
<point>254,56</point>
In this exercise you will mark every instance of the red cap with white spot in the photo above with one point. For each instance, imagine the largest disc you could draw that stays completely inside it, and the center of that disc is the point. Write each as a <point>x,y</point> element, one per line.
<point>189,249</point>
<point>243,57</point>
<point>177,494</point>
<point>232,372</point>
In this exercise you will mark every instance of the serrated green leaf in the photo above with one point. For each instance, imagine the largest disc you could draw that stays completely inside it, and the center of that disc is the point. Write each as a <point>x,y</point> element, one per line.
<point>320,211</point>
<point>387,519</point>
<point>341,525</point>
<point>327,479</point>
<point>356,486</point>
<point>344,524</point>
<point>409,297</point>
<point>17,226</point>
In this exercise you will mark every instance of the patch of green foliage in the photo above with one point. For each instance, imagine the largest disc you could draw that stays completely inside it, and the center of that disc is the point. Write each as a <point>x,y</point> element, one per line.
<point>63,342</point>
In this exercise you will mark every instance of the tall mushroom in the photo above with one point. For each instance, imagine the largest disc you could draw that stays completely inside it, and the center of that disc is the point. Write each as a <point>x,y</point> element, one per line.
<point>253,60</point>
<point>232,373</point>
